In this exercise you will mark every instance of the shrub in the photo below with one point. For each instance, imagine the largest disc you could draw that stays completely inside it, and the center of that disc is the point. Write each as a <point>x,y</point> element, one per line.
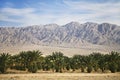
<point>113,67</point>
<point>33,68</point>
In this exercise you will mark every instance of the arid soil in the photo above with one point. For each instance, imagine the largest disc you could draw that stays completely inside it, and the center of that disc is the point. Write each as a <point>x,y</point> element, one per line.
<point>61,76</point>
<point>47,50</point>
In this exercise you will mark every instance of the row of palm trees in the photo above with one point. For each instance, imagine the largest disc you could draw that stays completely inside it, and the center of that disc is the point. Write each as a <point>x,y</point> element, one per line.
<point>57,62</point>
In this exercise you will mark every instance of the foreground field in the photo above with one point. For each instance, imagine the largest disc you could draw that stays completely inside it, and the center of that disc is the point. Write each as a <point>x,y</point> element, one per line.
<point>61,76</point>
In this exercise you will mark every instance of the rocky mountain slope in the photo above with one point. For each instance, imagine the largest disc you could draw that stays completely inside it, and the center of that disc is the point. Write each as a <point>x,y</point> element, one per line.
<point>72,34</point>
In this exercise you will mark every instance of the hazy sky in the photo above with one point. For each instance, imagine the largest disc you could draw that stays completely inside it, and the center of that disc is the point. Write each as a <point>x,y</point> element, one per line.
<point>35,12</point>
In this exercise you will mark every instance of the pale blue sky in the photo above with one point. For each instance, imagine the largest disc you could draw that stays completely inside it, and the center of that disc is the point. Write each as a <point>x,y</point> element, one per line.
<point>35,12</point>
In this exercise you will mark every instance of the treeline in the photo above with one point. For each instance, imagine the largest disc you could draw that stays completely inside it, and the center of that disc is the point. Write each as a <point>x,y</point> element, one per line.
<point>32,61</point>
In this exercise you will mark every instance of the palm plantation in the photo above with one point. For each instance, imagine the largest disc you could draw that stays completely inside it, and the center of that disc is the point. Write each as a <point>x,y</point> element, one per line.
<point>32,61</point>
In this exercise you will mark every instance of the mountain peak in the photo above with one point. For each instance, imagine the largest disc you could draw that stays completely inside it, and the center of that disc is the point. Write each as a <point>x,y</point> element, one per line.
<point>51,26</point>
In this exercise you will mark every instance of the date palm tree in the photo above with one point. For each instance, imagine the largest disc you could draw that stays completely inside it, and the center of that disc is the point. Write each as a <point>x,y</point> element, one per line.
<point>76,62</point>
<point>32,60</point>
<point>113,60</point>
<point>47,63</point>
<point>96,58</point>
<point>4,62</point>
<point>67,63</point>
<point>27,60</point>
<point>57,60</point>
<point>104,62</point>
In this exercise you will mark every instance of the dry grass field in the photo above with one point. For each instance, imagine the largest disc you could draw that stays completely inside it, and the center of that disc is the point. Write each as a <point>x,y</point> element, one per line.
<point>61,76</point>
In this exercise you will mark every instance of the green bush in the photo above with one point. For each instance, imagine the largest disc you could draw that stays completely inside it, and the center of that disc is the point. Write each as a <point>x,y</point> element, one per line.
<point>33,68</point>
<point>113,67</point>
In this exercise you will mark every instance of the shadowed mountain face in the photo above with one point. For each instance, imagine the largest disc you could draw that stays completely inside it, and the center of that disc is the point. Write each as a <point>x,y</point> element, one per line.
<point>72,34</point>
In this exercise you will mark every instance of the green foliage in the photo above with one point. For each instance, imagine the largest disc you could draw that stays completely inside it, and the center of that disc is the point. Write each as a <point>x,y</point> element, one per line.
<point>27,60</point>
<point>114,61</point>
<point>96,59</point>
<point>67,63</point>
<point>76,61</point>
<point>47,63</point>
<point>4,62</point>
<point>33,68</point>
<point>57,62</point>
<point>103,63</point>
<point>113,67</point>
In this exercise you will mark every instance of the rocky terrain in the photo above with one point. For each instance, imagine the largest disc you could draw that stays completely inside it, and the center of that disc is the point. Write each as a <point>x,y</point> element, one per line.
<point>71,35</point>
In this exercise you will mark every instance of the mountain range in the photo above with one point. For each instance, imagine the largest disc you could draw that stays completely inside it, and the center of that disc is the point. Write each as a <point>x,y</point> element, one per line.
<point>71,35</point>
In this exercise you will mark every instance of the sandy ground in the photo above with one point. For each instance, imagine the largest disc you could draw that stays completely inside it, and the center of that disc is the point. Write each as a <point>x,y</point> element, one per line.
<point>46,50</point>
<point>61,76</point>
